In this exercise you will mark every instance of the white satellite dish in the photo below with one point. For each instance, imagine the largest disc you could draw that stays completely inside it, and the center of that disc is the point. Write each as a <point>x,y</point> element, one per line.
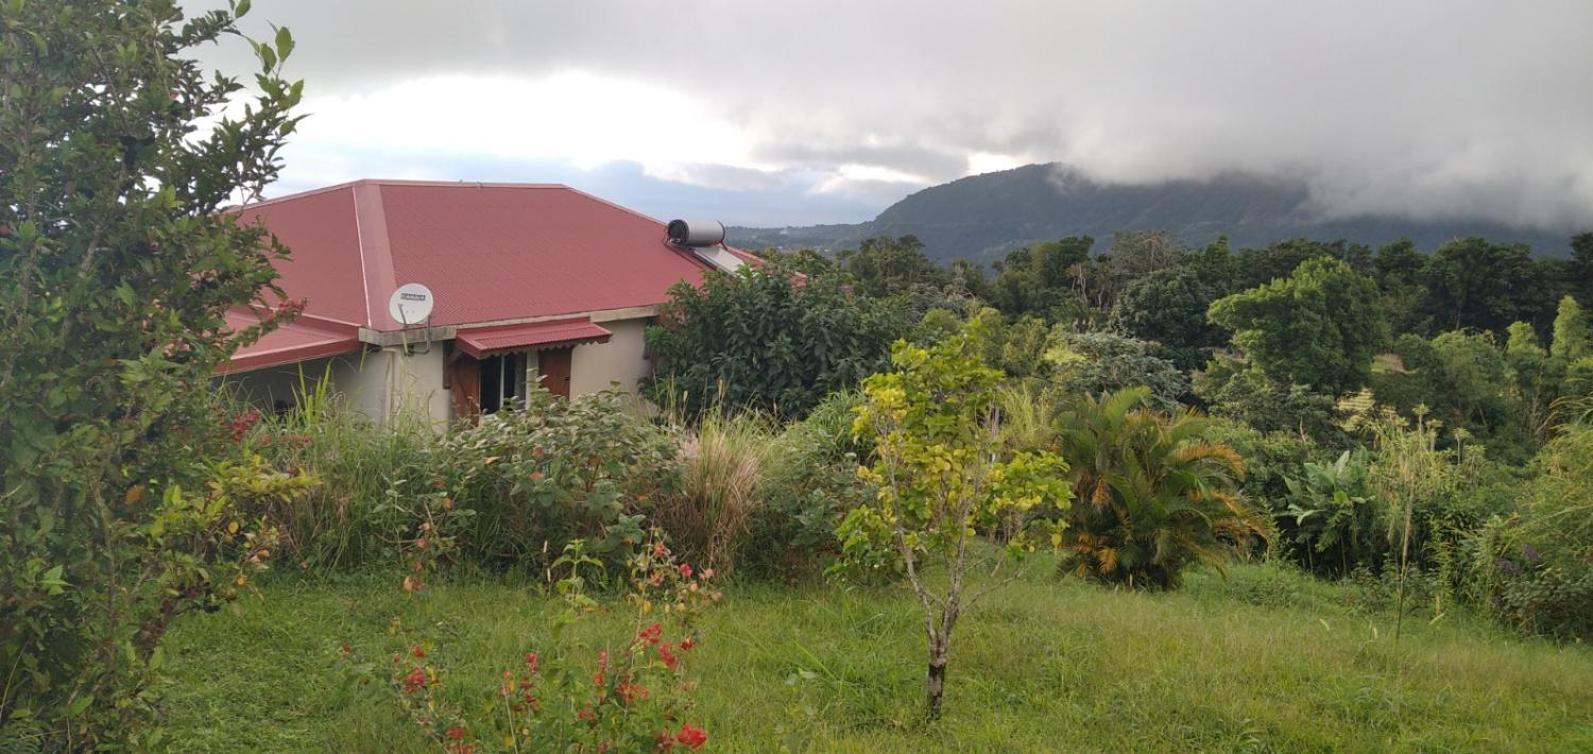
<point>411,304</point>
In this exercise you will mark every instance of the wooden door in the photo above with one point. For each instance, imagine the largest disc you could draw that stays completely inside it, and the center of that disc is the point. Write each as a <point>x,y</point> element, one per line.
<point>464,386</point>
<point>553,365</point>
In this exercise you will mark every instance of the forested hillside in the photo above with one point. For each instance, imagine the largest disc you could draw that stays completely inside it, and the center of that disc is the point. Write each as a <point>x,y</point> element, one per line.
<point>984,216</point>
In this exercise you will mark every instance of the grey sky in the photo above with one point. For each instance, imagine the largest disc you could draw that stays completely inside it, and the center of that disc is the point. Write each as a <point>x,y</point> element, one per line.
<point>824,110</point>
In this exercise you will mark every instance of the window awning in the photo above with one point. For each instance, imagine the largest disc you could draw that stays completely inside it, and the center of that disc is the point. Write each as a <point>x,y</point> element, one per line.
<point>302,339</point>
<point>559,333</point>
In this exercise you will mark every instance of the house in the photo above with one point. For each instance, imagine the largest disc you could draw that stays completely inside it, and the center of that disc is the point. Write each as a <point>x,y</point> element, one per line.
<point>516,283</point>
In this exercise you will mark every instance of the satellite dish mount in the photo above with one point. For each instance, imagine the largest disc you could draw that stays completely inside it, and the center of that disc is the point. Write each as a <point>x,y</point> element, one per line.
<point>411,306</point>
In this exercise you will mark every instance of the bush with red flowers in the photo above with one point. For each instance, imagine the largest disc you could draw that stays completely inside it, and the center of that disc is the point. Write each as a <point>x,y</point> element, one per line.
<point>632,697</point>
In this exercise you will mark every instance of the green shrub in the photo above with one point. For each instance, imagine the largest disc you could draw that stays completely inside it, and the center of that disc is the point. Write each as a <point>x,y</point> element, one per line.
<point>1329,523</point>
<point>811,484</point>
<point>558,470</point>
<point>118,153</point>
<point>1535,567</point>
<point>764,339</point>
<point>1234,389</point>
<point>1271,458</point>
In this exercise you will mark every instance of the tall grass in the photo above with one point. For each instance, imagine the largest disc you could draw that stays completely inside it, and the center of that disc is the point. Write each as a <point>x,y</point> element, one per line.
<point>342,523</point>
<point>726,460</point>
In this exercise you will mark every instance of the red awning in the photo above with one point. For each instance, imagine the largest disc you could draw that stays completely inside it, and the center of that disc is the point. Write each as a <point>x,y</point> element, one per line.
<point>304,338</point>
<point>533,335</point>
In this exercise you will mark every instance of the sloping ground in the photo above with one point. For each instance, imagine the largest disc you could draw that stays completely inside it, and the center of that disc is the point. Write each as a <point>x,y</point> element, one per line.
<point>1265,661</point>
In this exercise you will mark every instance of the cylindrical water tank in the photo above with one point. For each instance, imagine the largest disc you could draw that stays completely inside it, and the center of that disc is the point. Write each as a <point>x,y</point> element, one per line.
<point>695,232</point>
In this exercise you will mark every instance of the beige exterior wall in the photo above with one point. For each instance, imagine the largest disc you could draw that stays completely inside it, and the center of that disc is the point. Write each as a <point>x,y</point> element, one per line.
<point>392,381</point>
<point>620,362</point>
<point>381,382</point>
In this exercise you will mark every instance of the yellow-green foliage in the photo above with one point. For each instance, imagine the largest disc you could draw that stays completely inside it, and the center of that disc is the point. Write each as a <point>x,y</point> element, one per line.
<point>942,478</point>
<point>938,464</point>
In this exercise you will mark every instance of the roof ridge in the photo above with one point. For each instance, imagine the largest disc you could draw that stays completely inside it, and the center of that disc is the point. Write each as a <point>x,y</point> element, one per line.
<point>307,193</point>
<point>376,253</point>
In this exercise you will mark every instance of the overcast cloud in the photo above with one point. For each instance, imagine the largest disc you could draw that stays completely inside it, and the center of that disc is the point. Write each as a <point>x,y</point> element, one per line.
<point>828,110</point>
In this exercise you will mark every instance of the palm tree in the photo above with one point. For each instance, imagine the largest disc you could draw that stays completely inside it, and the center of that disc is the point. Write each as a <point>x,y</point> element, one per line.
<point>1151,495</point>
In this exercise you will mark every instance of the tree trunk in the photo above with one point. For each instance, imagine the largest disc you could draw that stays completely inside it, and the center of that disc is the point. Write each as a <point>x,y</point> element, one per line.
<point>935,684</point>
<point>936,688</point>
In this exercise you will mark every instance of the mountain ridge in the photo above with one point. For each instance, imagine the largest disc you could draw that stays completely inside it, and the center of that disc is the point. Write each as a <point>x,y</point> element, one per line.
<point>982,217</point>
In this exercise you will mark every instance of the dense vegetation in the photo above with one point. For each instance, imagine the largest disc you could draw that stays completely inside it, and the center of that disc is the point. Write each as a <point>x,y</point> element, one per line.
<point>872,445</point>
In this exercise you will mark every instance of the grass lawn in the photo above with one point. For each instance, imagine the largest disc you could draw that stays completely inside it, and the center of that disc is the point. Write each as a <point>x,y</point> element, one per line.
<point>1266,660</point>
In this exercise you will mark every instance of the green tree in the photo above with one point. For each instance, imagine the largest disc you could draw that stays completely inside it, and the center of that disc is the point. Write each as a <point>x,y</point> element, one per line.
<point>1234,390</point>
<point>1137,253</point>
<point>1474,385</point>
<point>1573,339</point>
<point>1049,280</point>
<point>942,477</point>
<point>884,266</point>
<point>1098,363</point>
<point>1153,495</point>
<point>1534,378</point>
<point>1276,262</point>
<point>117,265</point>
<point>1580,270</point>
<point>1320,327</point>
<point>1169,307</point>
<point>804,261</point>
<point>762,338</point>
<point>1475,283</point>
<point>1398,268</point>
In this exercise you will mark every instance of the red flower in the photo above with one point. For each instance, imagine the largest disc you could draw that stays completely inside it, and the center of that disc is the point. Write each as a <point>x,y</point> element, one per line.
<point>601,676</point>
<point>691,737</point>
<point>586,714</point>
<point>685,570</point>
<point>416,652</point>
<point>415,680</point>
<point>687,643</point>
<point>632,692</point>
<point>667,655</point>
<point>650,634</point>
<point>456,733</point>
<point>531,662</point>
<point>536,476</point>
<point>658,549</point>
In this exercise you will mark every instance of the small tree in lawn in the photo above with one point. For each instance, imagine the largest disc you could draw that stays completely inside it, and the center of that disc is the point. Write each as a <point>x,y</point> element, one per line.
<point>944,482</point>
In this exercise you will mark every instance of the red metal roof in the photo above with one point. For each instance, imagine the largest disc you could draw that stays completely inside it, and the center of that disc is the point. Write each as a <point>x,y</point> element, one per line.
<point>488,252</point>
<point>306,337</point>
<point>548,334</point>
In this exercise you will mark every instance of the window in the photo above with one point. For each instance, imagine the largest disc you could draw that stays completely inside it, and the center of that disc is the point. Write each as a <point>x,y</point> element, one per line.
<point>503,381</point>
